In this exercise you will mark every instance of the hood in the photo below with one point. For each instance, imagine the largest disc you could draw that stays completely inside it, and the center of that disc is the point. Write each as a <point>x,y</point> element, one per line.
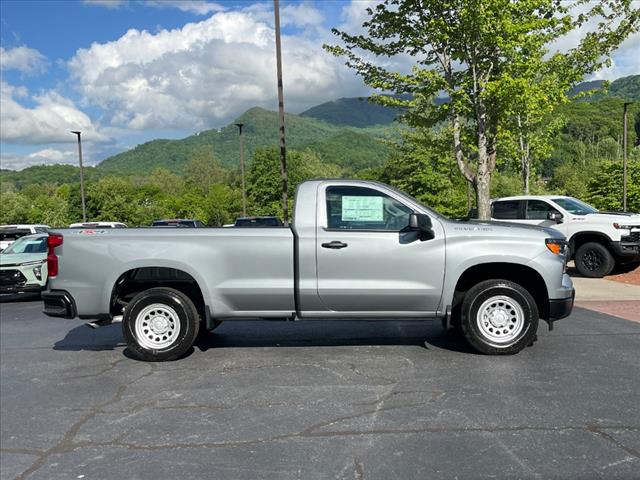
<point>507,228</point>
<point>611,217</point>
<point>7,259</point>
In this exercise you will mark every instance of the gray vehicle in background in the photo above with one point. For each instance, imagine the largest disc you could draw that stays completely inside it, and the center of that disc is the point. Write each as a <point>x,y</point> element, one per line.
<point>355,250</point>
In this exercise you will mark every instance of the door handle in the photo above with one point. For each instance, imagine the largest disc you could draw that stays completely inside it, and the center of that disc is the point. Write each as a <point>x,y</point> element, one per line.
<point>336,245</point>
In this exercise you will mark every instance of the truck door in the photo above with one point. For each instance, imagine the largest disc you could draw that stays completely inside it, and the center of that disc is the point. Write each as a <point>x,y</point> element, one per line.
<point>366,263</point>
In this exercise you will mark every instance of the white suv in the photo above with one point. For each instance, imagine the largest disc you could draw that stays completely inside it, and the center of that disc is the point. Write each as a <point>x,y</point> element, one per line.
<point>598,240</point>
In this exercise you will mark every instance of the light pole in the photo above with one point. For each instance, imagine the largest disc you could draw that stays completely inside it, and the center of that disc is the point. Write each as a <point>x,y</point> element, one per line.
<point>624,157</point>
<point>84,208</point>
<point>283,150</point>
<point>244,191</point>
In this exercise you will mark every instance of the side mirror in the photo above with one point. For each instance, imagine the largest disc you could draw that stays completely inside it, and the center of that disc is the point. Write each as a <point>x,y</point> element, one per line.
<point>555,217</point>
<point>421,223</point>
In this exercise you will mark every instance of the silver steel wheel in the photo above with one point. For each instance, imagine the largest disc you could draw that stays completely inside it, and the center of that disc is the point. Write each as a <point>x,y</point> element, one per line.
<point>157,326</point>
<point>500,319</point>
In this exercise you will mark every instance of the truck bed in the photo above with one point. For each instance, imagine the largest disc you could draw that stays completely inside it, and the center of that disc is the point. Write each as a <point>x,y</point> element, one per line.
<point>241,272</point>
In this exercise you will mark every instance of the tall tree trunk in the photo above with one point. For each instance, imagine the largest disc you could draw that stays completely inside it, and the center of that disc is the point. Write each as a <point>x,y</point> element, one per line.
<point>486,162</point>
<point>525,159</point>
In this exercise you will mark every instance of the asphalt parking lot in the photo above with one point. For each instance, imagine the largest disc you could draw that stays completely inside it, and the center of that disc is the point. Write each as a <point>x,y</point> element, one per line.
<point>352,400</point>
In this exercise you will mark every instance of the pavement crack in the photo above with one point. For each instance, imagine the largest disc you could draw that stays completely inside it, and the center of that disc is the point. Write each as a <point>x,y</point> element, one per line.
<point>598,430</point>
<point>111,366</point>
<point>67,443</point>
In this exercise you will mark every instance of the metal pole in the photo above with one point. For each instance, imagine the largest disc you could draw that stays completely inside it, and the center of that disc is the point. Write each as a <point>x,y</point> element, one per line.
<point>244,191</point>
<point>283,150</point>
<point>84,208</point>
<point>624,158</point>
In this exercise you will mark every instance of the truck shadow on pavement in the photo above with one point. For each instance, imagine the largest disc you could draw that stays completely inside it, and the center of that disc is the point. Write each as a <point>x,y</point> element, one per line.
<point>308,333</point>
<point>323,333</point>
<point>85,338</point>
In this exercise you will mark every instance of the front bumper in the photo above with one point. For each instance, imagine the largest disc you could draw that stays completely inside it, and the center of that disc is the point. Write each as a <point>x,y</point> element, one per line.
<point>18,280</point>
<point>59,303</point>
<point>627,249</point>
<point>561,308</point>
<point>9,289</point>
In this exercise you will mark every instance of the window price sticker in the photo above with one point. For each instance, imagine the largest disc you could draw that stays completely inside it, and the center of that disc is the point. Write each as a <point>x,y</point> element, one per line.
<point>362,209</point>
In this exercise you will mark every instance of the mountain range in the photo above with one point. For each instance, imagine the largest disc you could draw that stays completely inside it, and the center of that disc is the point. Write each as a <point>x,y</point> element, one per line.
<point>348,132</point>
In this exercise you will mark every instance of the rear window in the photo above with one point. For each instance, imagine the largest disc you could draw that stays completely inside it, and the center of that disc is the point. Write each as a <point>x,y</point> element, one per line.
<point>505,210</point>
<point>13,234</point>
<point>258,222</point>
<point>171,223</point>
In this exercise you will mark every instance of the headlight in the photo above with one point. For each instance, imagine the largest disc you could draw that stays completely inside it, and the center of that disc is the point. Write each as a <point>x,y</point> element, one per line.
<point>37,271</point>
<point>618,226</point>
<point>556,246</point>
<point>37,262</point>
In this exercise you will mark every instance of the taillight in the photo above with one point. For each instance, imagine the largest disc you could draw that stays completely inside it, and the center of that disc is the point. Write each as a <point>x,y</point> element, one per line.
<point>53,241</point>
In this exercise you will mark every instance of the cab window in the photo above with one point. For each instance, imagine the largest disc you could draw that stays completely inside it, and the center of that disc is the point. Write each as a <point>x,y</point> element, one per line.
<point>361,208</point>
<point>538,210</point>
<point>506,210</point>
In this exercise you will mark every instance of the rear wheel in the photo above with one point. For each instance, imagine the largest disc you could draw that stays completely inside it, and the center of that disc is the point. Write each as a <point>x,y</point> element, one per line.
<point>499,317</point>
<point>594,260</point>
<point>160,324</point>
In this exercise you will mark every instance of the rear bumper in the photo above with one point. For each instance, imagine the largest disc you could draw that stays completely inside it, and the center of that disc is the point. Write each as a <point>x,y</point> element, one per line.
<point>59,303</point>
<point>561,308</point>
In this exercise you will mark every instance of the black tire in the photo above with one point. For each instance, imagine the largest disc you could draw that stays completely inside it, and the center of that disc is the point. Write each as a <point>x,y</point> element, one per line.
<point>594,260</point>
<point>169,302</point>
<point>517,317</point>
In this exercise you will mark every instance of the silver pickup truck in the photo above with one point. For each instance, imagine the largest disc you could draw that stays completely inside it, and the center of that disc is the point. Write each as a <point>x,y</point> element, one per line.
<point>356,250</point>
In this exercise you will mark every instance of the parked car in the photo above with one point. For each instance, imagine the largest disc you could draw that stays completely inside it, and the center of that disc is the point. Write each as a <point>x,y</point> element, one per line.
<point>598,241</point>
<point>23,265</point>
<point>10,233</point>
<point>179,222</point>
<point>355,250</point>
<point>258,222</point>
<point>98,225</point>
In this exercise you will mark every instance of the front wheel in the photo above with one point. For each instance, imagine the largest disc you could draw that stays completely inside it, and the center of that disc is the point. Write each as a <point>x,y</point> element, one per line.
<point>499,317</point>
<point>594,260</point>
<point>160,324</point>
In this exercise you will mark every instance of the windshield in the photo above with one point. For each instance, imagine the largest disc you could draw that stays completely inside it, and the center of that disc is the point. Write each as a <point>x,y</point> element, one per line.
<point>27,245</point>
<point>574,206</point>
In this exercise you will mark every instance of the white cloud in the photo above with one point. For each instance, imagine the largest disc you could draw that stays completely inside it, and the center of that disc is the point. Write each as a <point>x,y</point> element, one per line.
<point>110,4</point>
<point>198,7</point>
<point>48,156</point>
<point>49,121</point>
<point>205,73</point>
<point>24,59</point>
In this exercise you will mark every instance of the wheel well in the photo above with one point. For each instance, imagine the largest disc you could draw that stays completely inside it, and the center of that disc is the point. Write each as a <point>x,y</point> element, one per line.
<point>525,276</point>
<point>580,239</point>
<point>136,280</point>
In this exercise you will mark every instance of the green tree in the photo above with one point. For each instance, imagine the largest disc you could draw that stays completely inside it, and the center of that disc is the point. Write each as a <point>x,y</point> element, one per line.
<point>203,170</point>
<point>264,177</point>
<point>482,53</point>
<point>604,189</point>
<point>13,208</point>
<point>420,166</point>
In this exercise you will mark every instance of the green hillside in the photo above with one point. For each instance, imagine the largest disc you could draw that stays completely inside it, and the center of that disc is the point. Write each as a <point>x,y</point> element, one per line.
<point>260,130</point>
<point>357,112</point>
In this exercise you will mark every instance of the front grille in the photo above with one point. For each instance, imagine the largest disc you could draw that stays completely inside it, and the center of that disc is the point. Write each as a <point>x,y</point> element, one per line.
<point>634,238</point>
<point>12,278</point>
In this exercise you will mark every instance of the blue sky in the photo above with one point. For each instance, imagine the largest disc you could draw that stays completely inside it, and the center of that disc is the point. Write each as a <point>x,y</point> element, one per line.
<point>128,71</point>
